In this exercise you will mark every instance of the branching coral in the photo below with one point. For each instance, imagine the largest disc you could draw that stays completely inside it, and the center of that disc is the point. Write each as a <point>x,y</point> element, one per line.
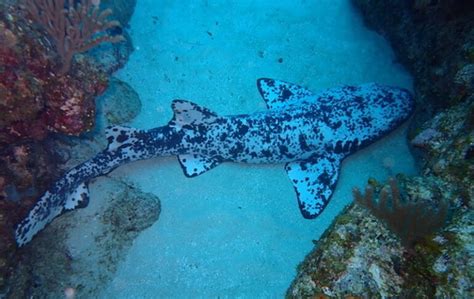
<point>409,220</point>
<point>73,26</point>
<point>34,100</point>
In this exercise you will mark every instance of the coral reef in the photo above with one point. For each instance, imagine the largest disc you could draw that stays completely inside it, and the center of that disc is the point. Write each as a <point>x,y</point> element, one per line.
<point>434,40</point>
<point>24,169</point>
<point>41,105</point>
<point>359,256</point>
<point>447,152</point>
<point>356,257</point>
<point>122,10</point>
<point>37,100</point>
<point>73,26</point>
<point>35,103</point>
<point>110,57</point>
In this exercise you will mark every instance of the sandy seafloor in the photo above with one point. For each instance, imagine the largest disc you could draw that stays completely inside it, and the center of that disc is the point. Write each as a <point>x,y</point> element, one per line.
<point>236,231</point>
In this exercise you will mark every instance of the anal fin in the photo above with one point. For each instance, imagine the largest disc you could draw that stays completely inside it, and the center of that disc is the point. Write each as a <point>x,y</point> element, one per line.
<point>194,165</point>
<point>314,181</point>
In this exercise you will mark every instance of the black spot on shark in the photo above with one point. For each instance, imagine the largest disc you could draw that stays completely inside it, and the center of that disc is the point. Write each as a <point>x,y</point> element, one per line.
<point>310,133</point>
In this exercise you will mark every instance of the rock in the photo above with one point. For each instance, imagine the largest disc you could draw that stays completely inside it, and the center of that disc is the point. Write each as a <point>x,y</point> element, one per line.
<point>465,77</point>
<point>430,38</point>
<point>112,56</point>
<point>434,40</point>
<point>359,257</point>
<point>80,251</point>
<point>425,137</point>
<point>120,104</point>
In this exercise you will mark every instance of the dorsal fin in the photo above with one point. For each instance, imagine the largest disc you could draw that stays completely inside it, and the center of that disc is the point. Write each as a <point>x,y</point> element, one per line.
<point>279,93</point>
<point>188,113</point>
<point>118,136</point>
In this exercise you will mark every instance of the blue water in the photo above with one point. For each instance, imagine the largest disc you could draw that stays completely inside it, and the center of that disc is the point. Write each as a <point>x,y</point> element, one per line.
<point>236,231</point>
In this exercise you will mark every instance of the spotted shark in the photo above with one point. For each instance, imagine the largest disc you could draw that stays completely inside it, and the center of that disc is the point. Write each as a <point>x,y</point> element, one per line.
<point>311,133</point>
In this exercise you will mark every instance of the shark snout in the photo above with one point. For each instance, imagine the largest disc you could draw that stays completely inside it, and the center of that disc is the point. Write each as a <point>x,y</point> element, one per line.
<point>407,101</point>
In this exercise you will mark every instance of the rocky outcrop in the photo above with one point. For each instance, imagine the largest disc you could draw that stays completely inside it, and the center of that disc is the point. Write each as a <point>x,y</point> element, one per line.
<point>120,104</point>
<point>433,39</point>
<point>78,254</point>
<point>359,256</point>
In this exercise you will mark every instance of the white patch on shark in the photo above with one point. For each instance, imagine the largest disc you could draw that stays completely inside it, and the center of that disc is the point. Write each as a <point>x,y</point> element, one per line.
<point>77,198</point>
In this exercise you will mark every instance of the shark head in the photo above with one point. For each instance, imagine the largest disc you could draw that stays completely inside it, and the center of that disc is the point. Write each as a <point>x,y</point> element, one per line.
<point>387,106</point>
<point>398,103</point>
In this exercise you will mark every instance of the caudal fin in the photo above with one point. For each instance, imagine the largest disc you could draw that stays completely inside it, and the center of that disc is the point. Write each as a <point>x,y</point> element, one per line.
<point>49,206</point>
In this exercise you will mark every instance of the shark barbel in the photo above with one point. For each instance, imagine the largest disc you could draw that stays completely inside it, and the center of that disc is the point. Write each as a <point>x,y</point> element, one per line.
<point>311,133</point>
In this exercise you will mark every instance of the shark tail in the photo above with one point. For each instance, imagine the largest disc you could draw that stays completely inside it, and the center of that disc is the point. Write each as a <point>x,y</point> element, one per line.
<point>48,207</point>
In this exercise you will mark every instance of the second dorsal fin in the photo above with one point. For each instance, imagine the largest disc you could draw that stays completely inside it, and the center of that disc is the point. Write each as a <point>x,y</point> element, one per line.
<point>188,113</point>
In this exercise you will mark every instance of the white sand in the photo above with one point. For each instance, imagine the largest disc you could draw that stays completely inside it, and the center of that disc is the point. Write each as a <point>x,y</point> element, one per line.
<point>236,231</point>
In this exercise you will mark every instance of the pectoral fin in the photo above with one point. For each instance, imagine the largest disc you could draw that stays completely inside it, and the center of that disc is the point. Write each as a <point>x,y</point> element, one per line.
<point>314,181</point>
